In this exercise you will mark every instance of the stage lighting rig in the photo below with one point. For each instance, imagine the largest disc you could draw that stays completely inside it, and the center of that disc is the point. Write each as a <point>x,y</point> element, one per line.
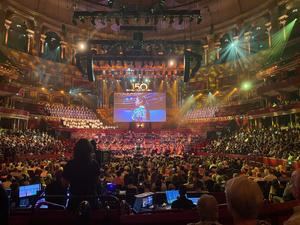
<point>110,3</point>
<point>199,19</point>
<point>134,54</point>
<point>128,15</point>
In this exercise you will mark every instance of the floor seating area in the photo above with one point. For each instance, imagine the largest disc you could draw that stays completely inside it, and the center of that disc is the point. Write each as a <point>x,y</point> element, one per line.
<point>276,214</point>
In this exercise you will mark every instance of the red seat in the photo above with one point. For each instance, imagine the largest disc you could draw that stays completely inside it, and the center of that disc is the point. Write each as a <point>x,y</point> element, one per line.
<point>167,217</point>
<point>276,214</point>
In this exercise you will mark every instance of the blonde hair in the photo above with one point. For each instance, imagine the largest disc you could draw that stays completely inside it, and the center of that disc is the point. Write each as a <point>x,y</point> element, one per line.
<point>244,197</point>
<point>208,208</point>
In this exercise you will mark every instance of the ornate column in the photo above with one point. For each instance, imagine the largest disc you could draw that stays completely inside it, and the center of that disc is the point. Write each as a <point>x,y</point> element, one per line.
<point>36,45</point>
<point>205,47</point>
<point>42,43</point>
<point>217,48</point>
<point>7,25</point>
<point>73,53</point>
<point>247,36</point>
<point>282,22</point>
<point>30,36</point>
<point>63,45</point>
<point>269,28</point>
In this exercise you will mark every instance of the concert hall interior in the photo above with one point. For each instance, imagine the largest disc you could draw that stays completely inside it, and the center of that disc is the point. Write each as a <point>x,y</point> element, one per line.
<point>130,112</point>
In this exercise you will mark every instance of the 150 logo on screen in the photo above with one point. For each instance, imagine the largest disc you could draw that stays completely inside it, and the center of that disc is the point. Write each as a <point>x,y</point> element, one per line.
<point>139,87</point>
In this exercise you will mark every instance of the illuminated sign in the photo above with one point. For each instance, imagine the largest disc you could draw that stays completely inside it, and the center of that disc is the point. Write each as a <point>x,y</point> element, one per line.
<point>139,87</point>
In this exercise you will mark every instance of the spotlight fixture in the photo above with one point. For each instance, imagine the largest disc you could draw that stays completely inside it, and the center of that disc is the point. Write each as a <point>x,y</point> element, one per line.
<point>110,3</point>
<point>82,46</point>
<point>246,86</point>
<point>81,19</point>
<point>149,15</point>
<point>171,62</point>
<point>199,19</point>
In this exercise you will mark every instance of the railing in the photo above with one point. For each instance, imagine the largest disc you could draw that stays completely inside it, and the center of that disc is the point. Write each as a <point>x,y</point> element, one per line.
<point>293,81</point>
<point>14,113</point>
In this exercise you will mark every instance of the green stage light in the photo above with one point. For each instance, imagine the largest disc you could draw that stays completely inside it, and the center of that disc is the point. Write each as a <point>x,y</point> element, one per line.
<point>233,45</point>
<point>246,86</point>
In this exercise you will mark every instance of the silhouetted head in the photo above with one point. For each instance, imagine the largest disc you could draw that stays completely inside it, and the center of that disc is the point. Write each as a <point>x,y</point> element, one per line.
<point>83,150</point>
<point>94,144</point>
<point>182,190</point>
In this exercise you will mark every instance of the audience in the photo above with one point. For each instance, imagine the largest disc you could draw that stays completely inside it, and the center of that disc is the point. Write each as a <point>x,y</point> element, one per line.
<point>272,142</point>
<point>29,142</point>
<point>177,169</point>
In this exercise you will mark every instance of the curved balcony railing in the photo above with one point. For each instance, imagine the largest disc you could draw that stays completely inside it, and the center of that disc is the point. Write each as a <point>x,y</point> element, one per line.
<point>14,113</point>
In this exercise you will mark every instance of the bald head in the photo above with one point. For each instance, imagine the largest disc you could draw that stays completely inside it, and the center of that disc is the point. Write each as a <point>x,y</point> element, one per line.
<point>244,197</point>
<point>295,180</point>
<point>208,208</point>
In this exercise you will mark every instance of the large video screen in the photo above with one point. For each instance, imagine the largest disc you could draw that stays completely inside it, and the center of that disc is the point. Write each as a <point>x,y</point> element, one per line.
<point>140,107</point>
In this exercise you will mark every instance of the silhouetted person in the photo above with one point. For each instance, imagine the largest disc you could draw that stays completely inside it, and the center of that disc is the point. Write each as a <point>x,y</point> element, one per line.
<point>4,206</point>
<point>57,189</point>
<point>182,202</point>
<point>82,172</point>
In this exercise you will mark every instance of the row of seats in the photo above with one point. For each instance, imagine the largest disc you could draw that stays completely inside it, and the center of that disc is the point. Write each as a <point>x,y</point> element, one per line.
<point>82,123</point>
<point>276,214</point>
<point>206,112</point>
<point>78,112</point>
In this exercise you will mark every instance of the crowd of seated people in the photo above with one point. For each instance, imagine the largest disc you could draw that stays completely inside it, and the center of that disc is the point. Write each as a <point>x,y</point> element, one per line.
<point>205,174</point>
<point>156,173</point>
<point>29,142</point>
<point>206,112</point>
<point>78,112</point>
<point>173,143</point>
<point>82,123</point>
<point>269,142</point>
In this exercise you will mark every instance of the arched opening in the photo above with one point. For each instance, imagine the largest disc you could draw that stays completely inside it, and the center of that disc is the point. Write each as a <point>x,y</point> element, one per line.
<point>52,47</point>
<point>259,38</point>
<point>17,36</point>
